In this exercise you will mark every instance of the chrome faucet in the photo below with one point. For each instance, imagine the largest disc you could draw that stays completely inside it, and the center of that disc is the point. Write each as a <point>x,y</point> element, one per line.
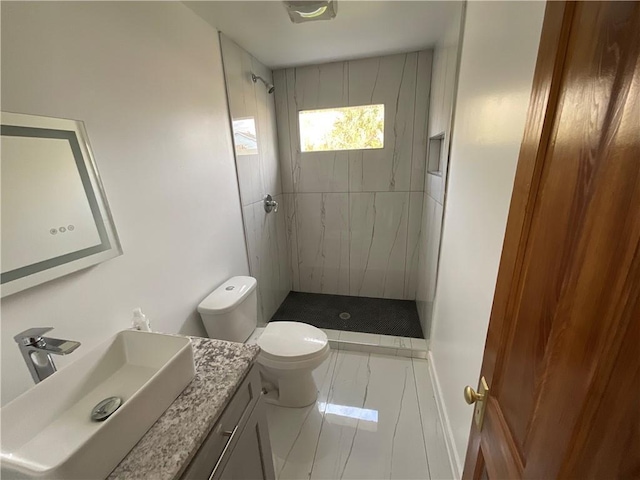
<point>37,351</point>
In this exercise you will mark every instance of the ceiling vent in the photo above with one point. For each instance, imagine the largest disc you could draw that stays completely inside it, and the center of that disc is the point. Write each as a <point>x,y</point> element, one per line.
<point>307,11</point>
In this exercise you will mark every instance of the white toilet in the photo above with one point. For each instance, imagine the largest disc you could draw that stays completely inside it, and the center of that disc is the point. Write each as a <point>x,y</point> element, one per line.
<point>290,351</point>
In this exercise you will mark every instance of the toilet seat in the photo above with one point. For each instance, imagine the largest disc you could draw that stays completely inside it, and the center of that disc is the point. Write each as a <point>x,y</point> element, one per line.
<point>292,346</point>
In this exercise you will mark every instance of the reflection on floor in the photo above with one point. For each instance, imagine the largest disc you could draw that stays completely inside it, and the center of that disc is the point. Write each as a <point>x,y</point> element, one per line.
<point>380,316</point>
<point>375,418</point>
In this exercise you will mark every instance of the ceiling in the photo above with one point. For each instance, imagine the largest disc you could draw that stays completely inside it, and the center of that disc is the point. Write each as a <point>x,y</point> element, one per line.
<point>360,29</point>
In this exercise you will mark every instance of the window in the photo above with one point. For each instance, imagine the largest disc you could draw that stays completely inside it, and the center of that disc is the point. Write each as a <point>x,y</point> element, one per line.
<point>244,136</point>
<point>348,128</point>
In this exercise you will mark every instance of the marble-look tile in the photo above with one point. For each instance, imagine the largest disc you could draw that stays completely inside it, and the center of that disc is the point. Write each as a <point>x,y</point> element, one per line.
<point>378,243</point>
<point>285,144</point>
<point>428,262</point>
<point>424,309</point>
<point>291,164</point>
<point>360,338</point>
<point>437,107</point>
<point>369,429</point>
<point>434,436</point>
<point>243,104</point>
<point>316,87</point>
<point>268,256</point>
<point>294,432</point>
<point>421,354</point>
<point>290,215</point>
<point>376,417</point>
<point>319,172</point>
<point>434,185</point>
<point>253,338</point>
<point>267,135</point>
<point>390,80</point>
<point>402,83</point>
<point>418,344</point>
<point>404,352</point>
<point>403,343</point>
<point>321,86</point>
<point>331,334</point>
<point>440,113</point>
<point>322,230</point>
<point>414,235</point>
<point>258,174</point>
<point>420,120</point>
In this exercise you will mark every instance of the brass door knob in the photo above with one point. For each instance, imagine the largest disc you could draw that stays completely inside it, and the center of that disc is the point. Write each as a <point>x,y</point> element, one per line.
<point>471,396</point>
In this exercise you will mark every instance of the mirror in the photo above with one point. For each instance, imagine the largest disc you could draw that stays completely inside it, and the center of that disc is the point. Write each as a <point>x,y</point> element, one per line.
<point>55,217</point>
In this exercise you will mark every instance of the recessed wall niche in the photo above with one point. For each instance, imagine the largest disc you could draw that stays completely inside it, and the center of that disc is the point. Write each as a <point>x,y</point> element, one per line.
<point>434,154</point>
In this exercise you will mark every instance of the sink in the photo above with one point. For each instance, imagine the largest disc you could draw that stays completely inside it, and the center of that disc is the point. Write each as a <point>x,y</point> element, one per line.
<point>47,432</point>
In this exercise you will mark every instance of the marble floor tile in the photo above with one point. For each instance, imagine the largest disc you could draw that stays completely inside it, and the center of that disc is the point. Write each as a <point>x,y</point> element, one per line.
<point>294,432</point>
<point>359,337</point>
<point>363,426</point>
<point>419,344</point>
<point>434,437</point>
<point>331,334</point>
<point>395,342</point>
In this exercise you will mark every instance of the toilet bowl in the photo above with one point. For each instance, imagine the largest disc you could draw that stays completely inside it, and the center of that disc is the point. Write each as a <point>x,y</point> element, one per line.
<point>289,351</point>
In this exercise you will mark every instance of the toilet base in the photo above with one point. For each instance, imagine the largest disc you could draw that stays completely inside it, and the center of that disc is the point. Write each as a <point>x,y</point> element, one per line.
<point>289,388</point>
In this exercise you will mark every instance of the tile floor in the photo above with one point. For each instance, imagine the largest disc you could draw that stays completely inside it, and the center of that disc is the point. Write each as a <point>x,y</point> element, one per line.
<point>375,418</point>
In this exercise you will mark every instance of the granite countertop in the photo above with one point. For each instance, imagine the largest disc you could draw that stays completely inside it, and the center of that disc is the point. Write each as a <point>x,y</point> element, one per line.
<point>167,448</point>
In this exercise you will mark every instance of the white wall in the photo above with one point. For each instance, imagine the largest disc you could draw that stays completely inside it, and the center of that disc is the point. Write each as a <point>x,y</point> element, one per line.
<point>499,51</point>
<point>354,216</point>
<point>146,78</point>
<point>259,174</point>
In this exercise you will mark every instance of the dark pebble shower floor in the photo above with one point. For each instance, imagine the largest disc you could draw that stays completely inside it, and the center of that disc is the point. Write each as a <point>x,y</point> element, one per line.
<point>355,314</point>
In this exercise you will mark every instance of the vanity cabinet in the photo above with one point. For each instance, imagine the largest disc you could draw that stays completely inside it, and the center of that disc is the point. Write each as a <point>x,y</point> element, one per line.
<point>238,446</point>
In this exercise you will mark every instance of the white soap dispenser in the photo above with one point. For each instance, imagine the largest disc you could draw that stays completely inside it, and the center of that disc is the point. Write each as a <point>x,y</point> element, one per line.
<point>140,321</point>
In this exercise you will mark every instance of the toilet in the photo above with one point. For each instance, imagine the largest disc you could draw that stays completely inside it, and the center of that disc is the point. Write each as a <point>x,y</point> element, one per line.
<point>289,351</point>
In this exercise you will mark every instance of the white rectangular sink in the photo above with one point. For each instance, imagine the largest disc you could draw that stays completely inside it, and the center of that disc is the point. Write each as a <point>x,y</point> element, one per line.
<point>47,432</point>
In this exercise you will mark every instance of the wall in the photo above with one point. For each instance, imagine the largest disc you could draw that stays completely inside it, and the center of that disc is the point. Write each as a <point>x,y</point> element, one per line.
<point>259,174</point>
<point>146,78</point>
<point>354,217</point>
<point>443,82</point>
<point>499,52</point>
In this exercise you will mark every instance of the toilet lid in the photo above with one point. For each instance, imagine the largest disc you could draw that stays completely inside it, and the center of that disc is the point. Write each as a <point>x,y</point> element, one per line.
<point>292,340</point>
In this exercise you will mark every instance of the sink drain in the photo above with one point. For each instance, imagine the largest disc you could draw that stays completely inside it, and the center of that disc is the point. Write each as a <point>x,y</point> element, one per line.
<point>105,408</point>
<point>345,316</point>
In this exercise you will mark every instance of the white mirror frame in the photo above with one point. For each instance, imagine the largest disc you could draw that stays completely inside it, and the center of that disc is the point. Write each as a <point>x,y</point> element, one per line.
<point>110,247</point>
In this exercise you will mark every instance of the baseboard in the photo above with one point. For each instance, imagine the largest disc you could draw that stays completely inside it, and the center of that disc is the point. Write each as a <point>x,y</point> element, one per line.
<point>454,459</point>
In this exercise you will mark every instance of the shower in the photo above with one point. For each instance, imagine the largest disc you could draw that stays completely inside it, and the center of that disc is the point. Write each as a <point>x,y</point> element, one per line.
<point>270,87</point>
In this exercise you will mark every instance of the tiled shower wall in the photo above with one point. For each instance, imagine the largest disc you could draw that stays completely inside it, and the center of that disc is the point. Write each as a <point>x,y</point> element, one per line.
<point>445,68</point>
<point>259,174</point>
<point>354,217</point>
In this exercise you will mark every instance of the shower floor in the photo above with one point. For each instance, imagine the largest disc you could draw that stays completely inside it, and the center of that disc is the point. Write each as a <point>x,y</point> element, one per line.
<point>354,314</point>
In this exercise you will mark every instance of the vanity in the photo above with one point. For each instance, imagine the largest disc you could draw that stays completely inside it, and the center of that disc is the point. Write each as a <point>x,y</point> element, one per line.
<point>185,408</point>
<point>215,429</point>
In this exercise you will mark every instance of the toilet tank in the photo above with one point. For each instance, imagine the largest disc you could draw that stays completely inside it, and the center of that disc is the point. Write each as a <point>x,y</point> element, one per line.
<point>230,312</point>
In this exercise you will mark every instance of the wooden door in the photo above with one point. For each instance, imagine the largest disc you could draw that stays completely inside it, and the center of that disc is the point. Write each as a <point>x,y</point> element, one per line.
<point>562,358</point>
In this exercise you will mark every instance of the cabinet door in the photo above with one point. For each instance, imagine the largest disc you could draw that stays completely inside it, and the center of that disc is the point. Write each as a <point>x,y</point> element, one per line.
<point>251,458</point>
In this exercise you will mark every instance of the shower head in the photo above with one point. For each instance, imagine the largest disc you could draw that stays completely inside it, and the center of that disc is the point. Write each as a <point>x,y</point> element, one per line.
<point>270,87</point>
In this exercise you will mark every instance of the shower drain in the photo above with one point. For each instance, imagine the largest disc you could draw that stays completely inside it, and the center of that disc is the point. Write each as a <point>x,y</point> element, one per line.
<point>345,316</point>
